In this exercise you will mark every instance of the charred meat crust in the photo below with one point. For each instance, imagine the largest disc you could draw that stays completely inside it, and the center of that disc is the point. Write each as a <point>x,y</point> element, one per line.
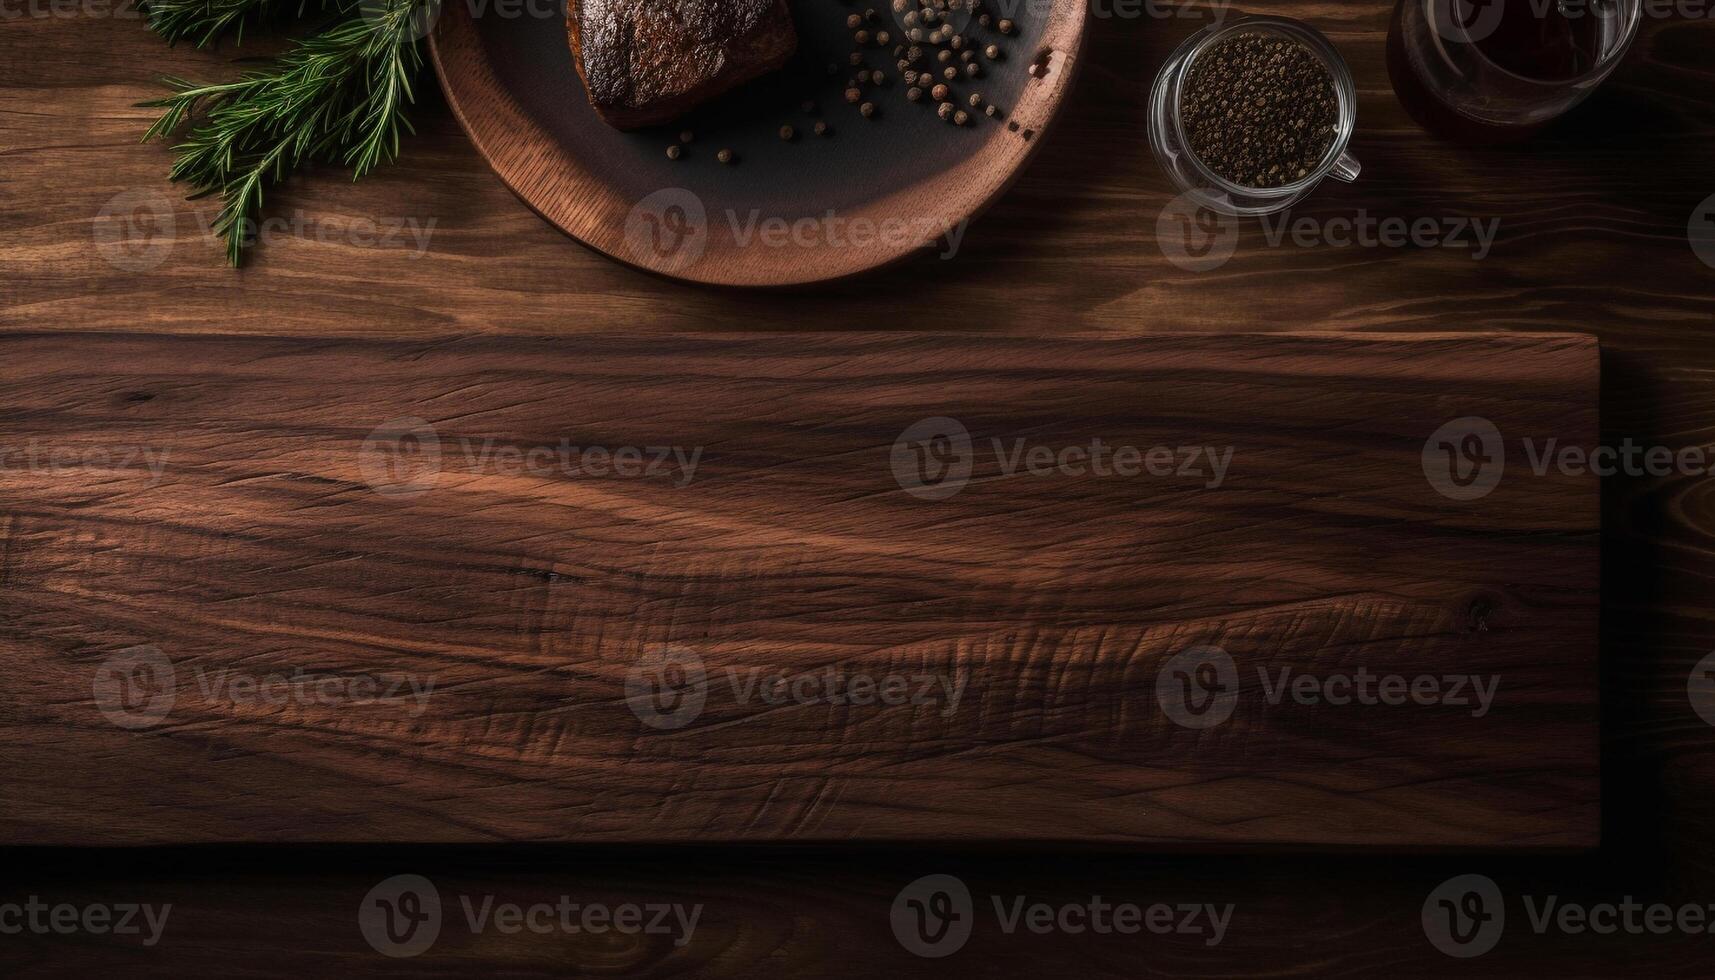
<point>646,62</point>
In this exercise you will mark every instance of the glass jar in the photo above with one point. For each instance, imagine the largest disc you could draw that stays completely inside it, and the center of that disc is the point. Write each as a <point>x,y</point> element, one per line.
<point>1499,70</point>
<point>1203,186</point>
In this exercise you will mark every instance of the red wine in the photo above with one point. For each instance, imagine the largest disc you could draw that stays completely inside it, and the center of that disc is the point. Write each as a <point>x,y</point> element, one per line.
<point>1538,40</point>
<point>1502,45</point>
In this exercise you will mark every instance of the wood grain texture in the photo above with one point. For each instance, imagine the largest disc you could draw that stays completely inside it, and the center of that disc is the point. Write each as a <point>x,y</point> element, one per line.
<point>872,193</point>
<point>1592,218</point>
<point>1031,616</point>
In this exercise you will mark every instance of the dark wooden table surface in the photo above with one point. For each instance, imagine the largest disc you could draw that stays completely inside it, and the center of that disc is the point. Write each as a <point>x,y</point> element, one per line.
<point>1592,236</point>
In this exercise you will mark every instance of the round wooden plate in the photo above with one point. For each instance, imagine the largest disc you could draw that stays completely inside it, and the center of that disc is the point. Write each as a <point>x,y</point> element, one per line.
<point>811,209</point>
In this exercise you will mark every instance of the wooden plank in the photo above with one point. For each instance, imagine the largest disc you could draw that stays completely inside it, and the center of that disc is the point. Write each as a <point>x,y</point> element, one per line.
<point>285,531</point>
<point>1582,243</point>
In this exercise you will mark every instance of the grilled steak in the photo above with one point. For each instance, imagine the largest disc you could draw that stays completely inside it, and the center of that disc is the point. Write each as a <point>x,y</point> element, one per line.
<point>646,61</point>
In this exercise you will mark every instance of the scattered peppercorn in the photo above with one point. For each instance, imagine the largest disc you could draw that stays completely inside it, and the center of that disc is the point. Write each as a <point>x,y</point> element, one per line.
<point>867,109</point>
<point>854,95</point>
<point>674,152</point>
<point>976,99</point>
<point>821,128</point>
<point>951,74</point>
<point>914,93</point>
<point>992,52</point>
<point>944,110</point>
<point>961,117</point>
<point>724,156</point>
<point>853,22</point>
<point>992,110</point>
<point>1007,27</point>
<point>787,132</point>
<point>939,93</point>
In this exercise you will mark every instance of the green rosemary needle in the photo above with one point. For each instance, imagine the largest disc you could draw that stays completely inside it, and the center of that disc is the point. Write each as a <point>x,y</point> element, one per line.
<point>336,96</point>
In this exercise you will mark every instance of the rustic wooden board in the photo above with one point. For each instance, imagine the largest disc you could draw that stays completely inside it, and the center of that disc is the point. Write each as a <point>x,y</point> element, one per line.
<point>285,532</point>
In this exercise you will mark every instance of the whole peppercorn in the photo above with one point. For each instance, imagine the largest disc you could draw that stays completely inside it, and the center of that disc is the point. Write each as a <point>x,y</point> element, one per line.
<point>724,156</point>
<point>876,77</point>
<point>967,56</point>
<point>867,109</point>
<point>944,110</point>
<point>854,96</point>
<point>911,19</point>
<point>939,93</point>
<point>973,70</point>
<point>674,152</point>
<point>1007,27</point>
<point>976,99</point>
<point>821,128</point>
<point>992,110</point>
<point>861,37</point>
<point>914,53</point>
<point>992,52</point>
<point>951,74</point>
<point>914,93</point>
<point>985,20</point>
<point>900,6</point>
<point>856,58</point>
<point>957,41</point>
<point>961,117</point>
<point>787,132</point>
<point>883,38</point>
<point>944,57</point>
<point>853,22</point>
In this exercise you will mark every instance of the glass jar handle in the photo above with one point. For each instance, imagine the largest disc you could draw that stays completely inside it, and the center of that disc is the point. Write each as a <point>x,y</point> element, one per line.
<point>1346,168</point>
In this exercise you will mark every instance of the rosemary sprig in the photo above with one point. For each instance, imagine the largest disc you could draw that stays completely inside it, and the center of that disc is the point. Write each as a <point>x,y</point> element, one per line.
<point>209,20</point>
<point>336,96</point>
